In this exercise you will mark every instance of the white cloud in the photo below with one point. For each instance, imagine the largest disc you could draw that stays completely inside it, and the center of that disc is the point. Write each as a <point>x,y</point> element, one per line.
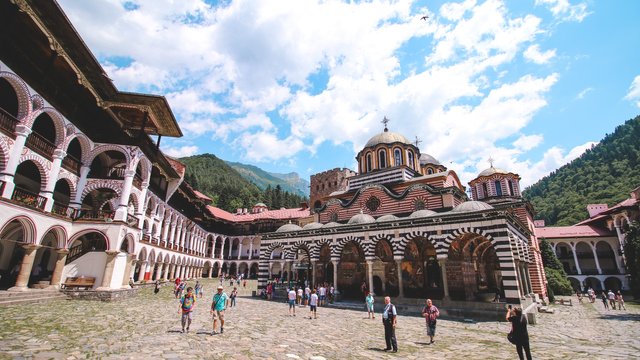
<point>634,91</point>
<point>563,10</point>
<point>584,93</point>
<point>534,54</point>
<point>265,146</point>
<point>182,151</point>
<point>528,142</point>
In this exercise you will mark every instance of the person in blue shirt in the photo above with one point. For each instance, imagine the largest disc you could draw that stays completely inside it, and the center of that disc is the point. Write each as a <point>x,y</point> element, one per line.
<point>389,320</point>
<point>218,306</point>
<point>369,302</point>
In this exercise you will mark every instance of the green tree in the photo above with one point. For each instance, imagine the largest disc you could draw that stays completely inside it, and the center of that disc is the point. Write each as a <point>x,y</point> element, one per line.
<point>557,281</point>
<point>632,256</point>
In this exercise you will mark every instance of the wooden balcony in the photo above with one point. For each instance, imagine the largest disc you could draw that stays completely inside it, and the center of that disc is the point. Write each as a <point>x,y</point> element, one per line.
<point>8,123</point>
<point>41,145</point>
<point>62,210</point>
<point>95,215</point>
<point>72,164</point>
<point>28,198</point>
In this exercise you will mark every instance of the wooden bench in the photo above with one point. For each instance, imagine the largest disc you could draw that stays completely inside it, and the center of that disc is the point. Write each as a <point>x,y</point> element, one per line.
<point>567,302</point>
<point>79,282</point>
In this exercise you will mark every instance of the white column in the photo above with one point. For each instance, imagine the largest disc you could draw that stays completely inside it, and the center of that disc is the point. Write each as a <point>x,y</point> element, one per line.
<point>230,247</point>
<point>400,286</point>
<point>58,155</point>
<point>123,207</point>
<point>575,258</point>
<point>222,250</point>
<point>239,250</point>
<point>370,274</point>
<point>251,250</point>
<point>82,183</point>
<point>443,271</point>
<point>595,257</point>
<point>9,171</point>
<point>335,274</point>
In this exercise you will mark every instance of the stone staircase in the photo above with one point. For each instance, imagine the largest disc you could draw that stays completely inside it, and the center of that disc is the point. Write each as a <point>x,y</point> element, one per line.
<point>8,298</point>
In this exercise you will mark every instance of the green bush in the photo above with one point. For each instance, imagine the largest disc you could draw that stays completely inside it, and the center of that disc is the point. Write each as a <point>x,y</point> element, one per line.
<point>558,283</point>
<point>632,255</point>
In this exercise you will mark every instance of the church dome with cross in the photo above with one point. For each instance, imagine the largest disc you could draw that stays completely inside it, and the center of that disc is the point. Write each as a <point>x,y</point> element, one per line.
<point>495,183</point>
<point>388,150</point>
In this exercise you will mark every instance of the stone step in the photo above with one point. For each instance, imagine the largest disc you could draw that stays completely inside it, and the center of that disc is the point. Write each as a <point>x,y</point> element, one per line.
<point>18,301</point>
<point>27,294</point>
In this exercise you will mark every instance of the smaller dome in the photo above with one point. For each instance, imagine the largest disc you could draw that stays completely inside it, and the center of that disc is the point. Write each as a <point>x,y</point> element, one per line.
<point>492,170</point>
<point>331,224</point>
<point>422,213</point>
<point>470,206</point>
<point>288,227</point>
<point>428,159</point>
<point>361,219</point>
<point>387,137</point>
<point>311,226</point>
<point>260,205</point>
<point>384,218</point>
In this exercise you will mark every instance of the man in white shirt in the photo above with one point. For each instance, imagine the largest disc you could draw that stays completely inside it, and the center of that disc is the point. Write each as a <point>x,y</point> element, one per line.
<point>291,296</point>
<point>313,304</point>
<point>323,294</point>
<point>389,320</point>
<point>307,293</point>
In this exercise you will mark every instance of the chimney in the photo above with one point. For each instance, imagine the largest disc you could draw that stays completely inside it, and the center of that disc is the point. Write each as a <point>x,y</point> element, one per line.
<point>538,223</point>
<point>304,205</point>
<point>595,209</point>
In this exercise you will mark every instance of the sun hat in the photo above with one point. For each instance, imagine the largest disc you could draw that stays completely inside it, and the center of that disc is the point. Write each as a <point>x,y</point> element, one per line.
<point>220,287</point>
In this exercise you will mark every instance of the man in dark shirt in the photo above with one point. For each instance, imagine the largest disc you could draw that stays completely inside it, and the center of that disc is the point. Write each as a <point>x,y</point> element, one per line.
<point>519,331</point>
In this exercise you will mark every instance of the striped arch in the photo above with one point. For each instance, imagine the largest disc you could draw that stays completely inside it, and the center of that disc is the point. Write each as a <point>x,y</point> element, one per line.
<point>85,144</point>
<point>315,254</point>
<point>71,180</point>
<point>58,122</point>
<point>101,185</point>
<point>337,250</point>
<point>60,234</point>
<point>28,227</point>
<point>37,102</point>
<point>145,165</point>
<point>89,157</point>
<point>88,231</point>
<point>293,250</point>
<point>462,231</point>
<point>371,251</point>
<point>269,251</point>
<point>43,166</point>
<point>4,154</point>
<point>22,93</point>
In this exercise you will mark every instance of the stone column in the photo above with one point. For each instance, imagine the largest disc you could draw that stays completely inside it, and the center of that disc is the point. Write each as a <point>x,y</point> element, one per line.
<point>370,274</point>
<point>335,274</point>
<point>211,271</point>
<point>313,273</point>
<point>399,269</point>
<point>621,244</point>
<point>123,207</point>
<point>22,282</point>
<point>56,277</point>
<point>174,267</point>
<point>443,271</point>
<point>76,202</point>
<point>251,250</point>
<point>595,257</point>
<point>222,250</point>
<point>165,275</point>
<point>239,251</point>
<point>575,259</point>
<point>9,171</point>
<point>158,274</point>
<point>58,155</point>
<point>143,270</point>
<point>108,270</point>
<point>131,258</point>
<point>230,248</point>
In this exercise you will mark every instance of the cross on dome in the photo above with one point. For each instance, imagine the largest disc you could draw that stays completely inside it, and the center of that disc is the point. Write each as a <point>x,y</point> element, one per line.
<point>385,121</point>
<point>417,142</point>
<point>490,161</point>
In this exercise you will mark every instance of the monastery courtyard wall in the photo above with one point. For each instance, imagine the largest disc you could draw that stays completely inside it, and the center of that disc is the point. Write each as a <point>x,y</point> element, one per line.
<point>148,327</point>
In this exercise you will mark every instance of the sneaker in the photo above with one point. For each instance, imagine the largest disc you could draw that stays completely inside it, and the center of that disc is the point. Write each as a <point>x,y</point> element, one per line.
<point>187,330</point>
<point>221,330</point>
<point>213,332</point>
<point>182,331</point>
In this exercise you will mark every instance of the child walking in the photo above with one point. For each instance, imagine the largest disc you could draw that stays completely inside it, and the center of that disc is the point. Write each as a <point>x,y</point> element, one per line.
<point>187,304</point>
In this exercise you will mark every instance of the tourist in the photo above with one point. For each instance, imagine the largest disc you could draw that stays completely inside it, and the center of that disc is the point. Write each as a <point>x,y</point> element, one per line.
<point>363,288</point>
<point>187,304</point>
<point>177,281</point>
<point>431,313</point>
<point>620,301</point>
<point>157,287</point>
<point>307,295</point>
<point>519,334</point>
<point>218,305</point>
<point>331,293</point>
<point>323,294</point>
<point>579,295</point>
<point>291,296</point>
<point>197,288</point>
<point>244,284</point>
<point>299,296</point>
<point>269,290</point>
<point>389,320</point>
<point>612,300</point>
<point>313,304</point>
<point>233,296</point>
<point>592,295</point>
<point>605,300</point>
<point>369,302</point>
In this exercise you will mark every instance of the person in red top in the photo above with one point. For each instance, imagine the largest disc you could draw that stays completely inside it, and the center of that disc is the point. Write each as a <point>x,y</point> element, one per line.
<point>430,313</point>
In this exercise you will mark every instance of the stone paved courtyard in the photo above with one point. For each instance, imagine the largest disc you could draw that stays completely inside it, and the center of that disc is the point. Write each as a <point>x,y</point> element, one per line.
<point>148,327</point>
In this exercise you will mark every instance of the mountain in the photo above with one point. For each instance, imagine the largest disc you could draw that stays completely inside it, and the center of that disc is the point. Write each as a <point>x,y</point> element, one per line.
<point>604,174</point>
<point>229,190</point>
<point>288,182</point>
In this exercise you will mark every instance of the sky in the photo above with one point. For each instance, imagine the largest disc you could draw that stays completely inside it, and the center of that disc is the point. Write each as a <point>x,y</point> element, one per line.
<point>302,85</point>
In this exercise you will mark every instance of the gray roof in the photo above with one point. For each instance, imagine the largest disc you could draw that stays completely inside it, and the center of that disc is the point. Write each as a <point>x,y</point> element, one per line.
<point>288,227</point>
<point>492,170</point>
<point>361,219</point>
<point>331,224</point>
<point>311,226</point>
<point>470,206</point>
<point>422,213</point>
<point>387,137</point>
<point>428,159</point>
<point>386,218</point>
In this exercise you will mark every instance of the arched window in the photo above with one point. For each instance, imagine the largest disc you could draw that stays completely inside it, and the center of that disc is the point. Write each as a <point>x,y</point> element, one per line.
<point>368,162</point>
<point>498,188</point>
<point>429,171</point>
<point>485,191</point>
<point>382,159</point>
<point>511,192</point>
<point>397,157</point>
<point>410,158</point>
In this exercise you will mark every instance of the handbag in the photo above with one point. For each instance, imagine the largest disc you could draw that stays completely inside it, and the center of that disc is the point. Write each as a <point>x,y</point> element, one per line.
<point>511,338</point>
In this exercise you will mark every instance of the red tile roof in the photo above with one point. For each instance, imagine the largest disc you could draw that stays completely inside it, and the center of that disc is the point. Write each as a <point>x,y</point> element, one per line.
<point>201,195</point>
<point>282,214</point>
<point>571,231</point>
<point>177,165</point>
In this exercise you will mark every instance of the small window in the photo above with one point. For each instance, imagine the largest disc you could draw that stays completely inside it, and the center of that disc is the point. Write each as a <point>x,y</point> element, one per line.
<point>410,158</point>
<point>498,188</point>
<point>429,171</point>
<point>485,192</point>
<point>397,157</point>
<point>369,162</point>
<point>382,159</point>
<point>511,192</point>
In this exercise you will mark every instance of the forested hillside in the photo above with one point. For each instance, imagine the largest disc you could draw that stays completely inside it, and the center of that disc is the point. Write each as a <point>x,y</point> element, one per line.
<point>604,174</point>
<point>264,179</point>
<point>228,189</point>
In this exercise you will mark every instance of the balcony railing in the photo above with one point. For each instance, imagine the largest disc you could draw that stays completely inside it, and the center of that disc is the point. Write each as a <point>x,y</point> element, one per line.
<point>71,163</point>
<point>62,210</point>
<point>95,215</point>
<point>28,198</point>
<point>41,145</point>
<point>146,238</point>
<point>8,123</point>
<point>132,220</point>
<point>2,183</point>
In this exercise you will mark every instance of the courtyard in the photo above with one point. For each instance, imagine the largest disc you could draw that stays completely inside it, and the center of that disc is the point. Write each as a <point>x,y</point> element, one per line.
<point>149,327</point>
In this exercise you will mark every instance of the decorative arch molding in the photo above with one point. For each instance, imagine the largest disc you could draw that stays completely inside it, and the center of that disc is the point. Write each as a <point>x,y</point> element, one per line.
<point>471,230</point>
<point>85,144</point>
<point>4,152</point>
<point>43,166</point>
<point>71,180</point>
<point>315,253</point>
<point>271,248</point>
<point>300,244</point>
<point>95,184</point>
<point>58,122</point>
<point>374,240</point>
<point>337,250</point>
<point>138,157</point>
<point>22,93</point>
<point>60,234</point>
<point>89,157</point>
<point>85,232</point>
<point>402,244</point>
<point>131,246</point>
<point>28,225</point>
<point>37,102</point>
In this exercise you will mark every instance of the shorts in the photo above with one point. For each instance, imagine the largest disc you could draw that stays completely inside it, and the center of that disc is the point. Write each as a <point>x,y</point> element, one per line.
<point>292,303</point>
<point>370,307</point>
<point>322,297</point>
<point>186,316</point>
<point>312,308</point>
<point>218,314</point>
<point>431,330</point>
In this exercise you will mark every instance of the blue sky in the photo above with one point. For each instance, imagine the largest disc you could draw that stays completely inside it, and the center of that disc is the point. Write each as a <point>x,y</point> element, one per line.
<point>302,85</point>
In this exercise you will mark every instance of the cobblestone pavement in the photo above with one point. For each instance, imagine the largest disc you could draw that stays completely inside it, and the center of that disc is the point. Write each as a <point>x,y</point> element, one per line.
<point>148,327</point>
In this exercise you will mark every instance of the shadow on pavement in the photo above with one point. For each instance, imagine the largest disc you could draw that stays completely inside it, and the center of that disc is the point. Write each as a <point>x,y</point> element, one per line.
<point>624,317</point>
